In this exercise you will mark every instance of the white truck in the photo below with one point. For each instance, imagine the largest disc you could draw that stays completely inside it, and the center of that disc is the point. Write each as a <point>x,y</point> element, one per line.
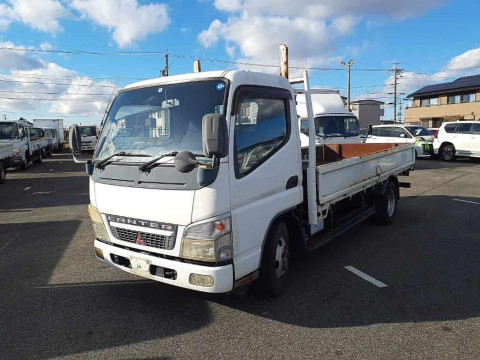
<point>6,155</point>
<point>89,137</point>
<point>57,136</point>
<point>27,143</point>
<point>200,181</point>
<point>333,123</point>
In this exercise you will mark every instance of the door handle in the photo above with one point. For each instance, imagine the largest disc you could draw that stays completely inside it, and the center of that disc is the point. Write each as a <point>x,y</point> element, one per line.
<point>292,182</point>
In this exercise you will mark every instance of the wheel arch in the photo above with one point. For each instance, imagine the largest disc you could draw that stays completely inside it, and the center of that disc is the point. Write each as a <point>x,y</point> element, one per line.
<point>295,231</point>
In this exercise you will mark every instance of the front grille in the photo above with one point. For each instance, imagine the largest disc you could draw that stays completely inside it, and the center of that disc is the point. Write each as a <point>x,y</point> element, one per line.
<point>153,240</point>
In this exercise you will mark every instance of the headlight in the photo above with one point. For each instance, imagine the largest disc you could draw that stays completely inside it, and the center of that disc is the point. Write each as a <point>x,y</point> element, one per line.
<point>208,241</point>
<point>98,225</point>
<point>18,151</point>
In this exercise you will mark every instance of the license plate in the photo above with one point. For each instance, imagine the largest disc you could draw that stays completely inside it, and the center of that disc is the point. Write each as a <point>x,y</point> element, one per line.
<point>140,264</point>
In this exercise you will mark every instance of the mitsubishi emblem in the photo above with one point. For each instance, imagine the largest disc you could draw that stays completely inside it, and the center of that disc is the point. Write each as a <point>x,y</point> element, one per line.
<point>140,240</point>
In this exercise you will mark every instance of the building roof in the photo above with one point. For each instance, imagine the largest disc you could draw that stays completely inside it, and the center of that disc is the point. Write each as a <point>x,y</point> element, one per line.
<point>366,101</point>
<point>463,83</point>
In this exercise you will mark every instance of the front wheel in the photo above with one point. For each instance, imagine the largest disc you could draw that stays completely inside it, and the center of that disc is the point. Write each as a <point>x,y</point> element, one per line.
<point>448,153</point>
<point>275,262</point>
<point>387,205</point>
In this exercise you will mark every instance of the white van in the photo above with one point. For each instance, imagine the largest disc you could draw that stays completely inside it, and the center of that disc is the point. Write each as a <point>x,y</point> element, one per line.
<point>458,139</point>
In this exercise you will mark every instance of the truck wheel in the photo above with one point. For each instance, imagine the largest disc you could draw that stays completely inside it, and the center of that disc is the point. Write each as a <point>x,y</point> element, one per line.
<point>3,172</point>
<point>24,164</point>
<point>447,152</point>
<point>275,262</point>
<point>44,153</point>
<point>387,205</point>
<point>38,160</point>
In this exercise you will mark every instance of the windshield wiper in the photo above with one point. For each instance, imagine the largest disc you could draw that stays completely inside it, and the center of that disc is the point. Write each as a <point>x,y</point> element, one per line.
<point>149,164</point>
<point>101,164</point>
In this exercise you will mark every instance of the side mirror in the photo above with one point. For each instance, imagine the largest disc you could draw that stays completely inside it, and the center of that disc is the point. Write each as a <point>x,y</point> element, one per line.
<point>75,140</point>
<point>214,136</point>
<point>370,130</point>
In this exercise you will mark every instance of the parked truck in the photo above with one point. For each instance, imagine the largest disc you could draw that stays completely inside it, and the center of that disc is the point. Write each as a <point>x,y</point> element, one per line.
<point>27,143</point>
<point>200,181</point>
<point>57,136</point>
<point>6,155</point>
<point>89,137</point>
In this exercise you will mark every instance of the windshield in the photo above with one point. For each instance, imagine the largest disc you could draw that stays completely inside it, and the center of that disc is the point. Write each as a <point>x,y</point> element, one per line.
<point>338,125</point>
<point>160,119</point>
<point>49,133</point>
<point>88,130</point>
<point>418,131</point>
<point>8,130</point>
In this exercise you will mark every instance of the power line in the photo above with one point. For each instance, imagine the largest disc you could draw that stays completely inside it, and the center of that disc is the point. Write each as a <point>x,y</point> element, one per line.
<point>61,84</point>
<point>51,93</point>
<point>176,55</point>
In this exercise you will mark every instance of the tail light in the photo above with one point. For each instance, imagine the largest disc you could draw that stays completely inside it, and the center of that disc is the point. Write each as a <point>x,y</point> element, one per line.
<point>435,134</point>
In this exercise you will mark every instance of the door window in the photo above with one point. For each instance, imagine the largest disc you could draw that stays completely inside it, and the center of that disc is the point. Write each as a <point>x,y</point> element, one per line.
<point>476,129</point>
<point>261,128</point>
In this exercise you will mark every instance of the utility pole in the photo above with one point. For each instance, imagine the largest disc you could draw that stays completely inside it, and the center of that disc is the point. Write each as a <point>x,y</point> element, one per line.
<point>348,66</point>
<point>396,72</point>
<point>165,71</point>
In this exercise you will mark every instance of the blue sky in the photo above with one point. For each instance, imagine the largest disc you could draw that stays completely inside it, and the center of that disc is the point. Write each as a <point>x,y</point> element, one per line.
<point>433,40</point>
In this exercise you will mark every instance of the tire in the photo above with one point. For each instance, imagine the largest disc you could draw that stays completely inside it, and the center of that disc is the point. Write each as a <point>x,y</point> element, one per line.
<point>3,172</point>
<point>447,153</point>
<point>39,160</point>
<point>275,262</point>
<point>44,153</point>
<point>387,205</point>
<point>26,162</point>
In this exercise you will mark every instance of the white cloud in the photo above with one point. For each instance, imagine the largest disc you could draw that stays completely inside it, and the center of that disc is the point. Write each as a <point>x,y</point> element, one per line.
<point>46,46</point>
<point>127,19</point>
<point>33,84</point>
<point>17,59</point>
<point>310,29</point>
<point>41,15</point>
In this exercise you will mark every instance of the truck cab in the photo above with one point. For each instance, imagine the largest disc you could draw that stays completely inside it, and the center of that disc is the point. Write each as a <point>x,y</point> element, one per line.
<point>197,181</point>
<point>333,123</point>
<point>89,137</point>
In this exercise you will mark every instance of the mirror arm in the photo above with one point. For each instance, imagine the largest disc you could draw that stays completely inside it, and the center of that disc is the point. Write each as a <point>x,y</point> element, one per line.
<point>77,161</point>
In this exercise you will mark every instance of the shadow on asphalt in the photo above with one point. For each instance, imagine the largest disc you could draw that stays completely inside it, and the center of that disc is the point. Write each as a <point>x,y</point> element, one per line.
<point>48,322</point>
<point>429,261</point>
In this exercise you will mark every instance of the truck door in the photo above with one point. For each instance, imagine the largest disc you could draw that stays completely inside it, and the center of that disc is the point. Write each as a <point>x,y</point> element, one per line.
<point>265,168</point>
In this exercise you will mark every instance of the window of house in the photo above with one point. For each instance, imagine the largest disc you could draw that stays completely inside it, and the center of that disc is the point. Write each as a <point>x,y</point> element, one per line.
<point>429,102</point>
<point>261,128</point>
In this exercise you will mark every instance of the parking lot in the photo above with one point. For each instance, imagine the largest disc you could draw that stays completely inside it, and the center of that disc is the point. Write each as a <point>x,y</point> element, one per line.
<point>59,301</point>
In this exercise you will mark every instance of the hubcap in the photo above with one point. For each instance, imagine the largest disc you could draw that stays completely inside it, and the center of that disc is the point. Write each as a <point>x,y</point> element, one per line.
<point>391,203</point>
<point>447,153</point>
<point>281,258</point>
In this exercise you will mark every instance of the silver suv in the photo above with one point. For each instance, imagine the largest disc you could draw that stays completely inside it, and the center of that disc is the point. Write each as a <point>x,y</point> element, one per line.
<point>458,139</point>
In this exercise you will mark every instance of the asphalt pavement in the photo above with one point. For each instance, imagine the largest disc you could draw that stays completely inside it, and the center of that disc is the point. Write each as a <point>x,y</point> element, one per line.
<point>58,301</point>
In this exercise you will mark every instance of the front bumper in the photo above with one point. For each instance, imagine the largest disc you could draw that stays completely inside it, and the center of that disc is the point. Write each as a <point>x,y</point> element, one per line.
<point>16,160</point>
<point>222,275</point>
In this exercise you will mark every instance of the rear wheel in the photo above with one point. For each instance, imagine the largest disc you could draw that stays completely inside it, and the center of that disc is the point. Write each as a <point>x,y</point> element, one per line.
<point>448,152</point>
<point>3,172</point>
<point>387,205</point>
<point>275,262</point>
